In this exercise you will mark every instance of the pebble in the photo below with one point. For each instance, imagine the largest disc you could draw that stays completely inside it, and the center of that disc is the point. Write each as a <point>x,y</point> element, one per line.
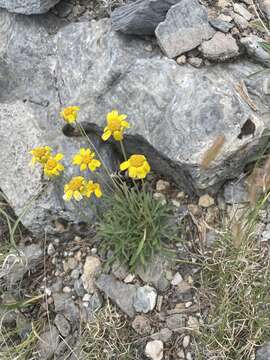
<point>206,201</point>
<point>177,279</point>
<point>163,335</point>
<point>145,299</point>
<point>241,10</point>
<point>91,267</point>
<point>193,324</point>
<point>154,350</point>
<point>160,197</point>
<point>141,324</point>
<point>181,354</point>
<point>51,249</point>
<point>181,60</point>
<point>188,304</point>
<point>67,290</point>
<point>162,185</point>
<point>195,61</point>
<point>86,297</point>
<point>129,278</point>
<point>189,356</point>
<point>186,341</point>
<point>75,274</point>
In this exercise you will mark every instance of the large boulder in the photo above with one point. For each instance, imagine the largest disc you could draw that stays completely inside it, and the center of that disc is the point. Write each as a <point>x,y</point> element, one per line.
<point>176,113</point>
<point>28,7</point>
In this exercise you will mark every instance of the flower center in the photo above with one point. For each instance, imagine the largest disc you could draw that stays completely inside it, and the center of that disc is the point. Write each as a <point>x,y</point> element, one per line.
<point>137,160</point>
<point>51,164</point>
<point>76,184</point>
<point>86,159</point>
<point>115,125</point>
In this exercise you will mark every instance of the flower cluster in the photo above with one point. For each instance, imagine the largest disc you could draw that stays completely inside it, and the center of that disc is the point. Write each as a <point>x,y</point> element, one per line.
<point>79,187</point>
<point>51,164</point>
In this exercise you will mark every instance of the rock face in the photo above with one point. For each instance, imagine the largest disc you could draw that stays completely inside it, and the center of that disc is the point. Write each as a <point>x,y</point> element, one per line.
<point>28,7</point>
<point>185,27</point>
<point>220,47</point>
<point>140,17</point>
<point>176,113</point>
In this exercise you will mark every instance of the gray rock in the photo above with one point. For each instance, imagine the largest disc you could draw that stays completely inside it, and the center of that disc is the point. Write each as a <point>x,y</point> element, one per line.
<point>263,353</point>
<point>121,294</point>
<point>62,325</point>
<point>255,50</point>
<point>48,343</point>
<point>265,6</point>
<point>176,322</point>
<point>19,263</point>
<point>79,288</point>
<point>163,335</point>
<point>240,22</point>
<point>141,324</point>
<point>221,47</point>
<point>236,192</point>
<point>221,25</point>
<point>185,27</point>
<point>154,273</point>
<point>140,17</point>
<point>241,10</point>
<point>145,299</point>
<point>64,304</point>
<point>154,350</point>
<point>28,7</point>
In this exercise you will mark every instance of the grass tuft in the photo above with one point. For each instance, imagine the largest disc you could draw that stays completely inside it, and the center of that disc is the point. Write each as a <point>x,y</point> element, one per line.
<point>135,227</point>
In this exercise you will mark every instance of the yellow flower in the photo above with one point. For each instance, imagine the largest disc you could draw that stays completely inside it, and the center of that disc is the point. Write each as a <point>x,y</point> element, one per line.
<point>75,188</point>
<point>69,114</point>
<point>116,125</point>
<point>85,158</point>
<point>91,188</point>
<point>137,166</point>
<point>53,167</point>
<point>40,154</point>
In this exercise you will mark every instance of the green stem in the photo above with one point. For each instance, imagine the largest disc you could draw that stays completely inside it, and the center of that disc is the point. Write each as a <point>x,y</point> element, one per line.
<point>123,150</point>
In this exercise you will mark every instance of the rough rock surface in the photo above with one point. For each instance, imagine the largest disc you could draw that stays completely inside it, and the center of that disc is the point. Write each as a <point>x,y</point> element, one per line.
<point>121,294</point>
<point>185,27</point>
<point>176,112</point>
<point>220,47</point>
<point>140,17</point>
<point>263,353</point>
<point>255,50</point>
<point>265,6</point>
<point>28,7</point>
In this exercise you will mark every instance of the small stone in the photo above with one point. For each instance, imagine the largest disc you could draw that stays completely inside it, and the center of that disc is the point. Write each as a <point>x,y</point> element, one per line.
<point>48,343</point>
<point>206,201</point>
<point>221,47</point>
<point>186,341</point>
<point>195,61</point>
<point>78,287</point>
<point>91,267</point>
<point>181,60</point>
<point>193,324</point>
<point>176,203</point>
<point>154,350</point>
<point>145,299</point>
<point>129,278</point>
<point>148,48</point>
<point>163,335</point>
<point>160,197</point>
<point>221,25</point>
<point>75,274</point>
<point>241,10</point>
<point>62,325</point>
<point>181,354</point>
<point>67,290</point>
<point>176,322</point>
<point>51,249</point>
<point>120,271</point>
<point>223,17</point>
<point>86,297</point>
<point>154,273</point>
<point>162,185</point>
<point>180,195</point>
<point>177,279</point>
<point>48,291</point>
<point>240,22</point>
<point>141,325</point>
<point>94,251</point>
<point>188,304</point>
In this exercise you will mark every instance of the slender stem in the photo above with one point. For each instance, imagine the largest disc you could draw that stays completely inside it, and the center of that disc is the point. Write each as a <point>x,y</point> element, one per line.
<point>123,150</point>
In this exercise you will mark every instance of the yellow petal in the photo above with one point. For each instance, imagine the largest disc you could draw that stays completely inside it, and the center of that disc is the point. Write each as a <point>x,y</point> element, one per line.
<point>106,135</point>
<point>132,172</point>
<point>68,195</point>
<point>59,156</point>
<point>112,115</point>
<point>98,192</point>
<point>124,165</point>
<point>82,151</point>
<point>118,135</point>
<point>60,167</point>
<point>77,159</point>
<point>83,167</point>
<point>122,117</point>
<point>77,195</point>
<point>125,124</point>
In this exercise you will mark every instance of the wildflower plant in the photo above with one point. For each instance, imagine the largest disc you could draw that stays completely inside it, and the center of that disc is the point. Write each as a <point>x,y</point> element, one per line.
<point>134,225</point>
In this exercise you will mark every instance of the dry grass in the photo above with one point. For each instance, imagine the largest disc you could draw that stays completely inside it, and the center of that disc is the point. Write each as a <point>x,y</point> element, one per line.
<point>235,279</point>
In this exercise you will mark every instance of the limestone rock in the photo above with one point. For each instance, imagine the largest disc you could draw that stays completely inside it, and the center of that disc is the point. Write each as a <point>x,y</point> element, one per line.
<point>255,50</point>
<point>140,17</point>
<point>28,7</point>
<point>91,267</point>
<point>121,294</point>
<point>185,27</point>
<point>154,350</point>
<point>145,299</point>
<point>221,47</point>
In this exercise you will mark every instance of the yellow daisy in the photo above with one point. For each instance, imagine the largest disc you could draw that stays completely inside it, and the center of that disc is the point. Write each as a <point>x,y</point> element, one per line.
<point>92,188</point>
<point>69,114</point>
<point>116,125</point>
<point>85,158</point>
<point>74,189</point>
<point>53,167</point>
<point>137,166</point>
<point>40,154</point>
